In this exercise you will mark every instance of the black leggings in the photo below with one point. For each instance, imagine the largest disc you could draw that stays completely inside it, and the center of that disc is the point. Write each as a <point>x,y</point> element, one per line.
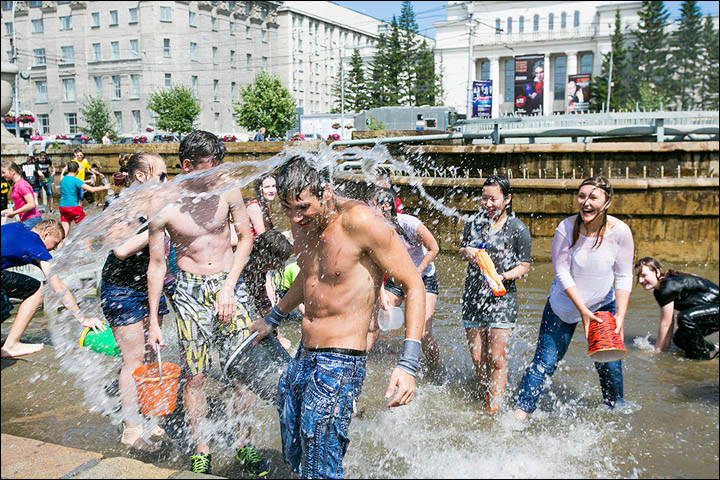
<point>693,325</point>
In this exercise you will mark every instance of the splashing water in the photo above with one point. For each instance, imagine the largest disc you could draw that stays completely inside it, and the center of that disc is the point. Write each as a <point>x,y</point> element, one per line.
<point>445,432</point>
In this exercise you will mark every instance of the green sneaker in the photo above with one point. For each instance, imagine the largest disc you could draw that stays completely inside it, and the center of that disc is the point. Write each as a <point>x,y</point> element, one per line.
<point>201,462</point>
<point>251,460</point>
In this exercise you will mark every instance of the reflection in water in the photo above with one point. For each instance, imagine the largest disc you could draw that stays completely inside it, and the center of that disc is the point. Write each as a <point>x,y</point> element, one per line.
<point>669,429</point>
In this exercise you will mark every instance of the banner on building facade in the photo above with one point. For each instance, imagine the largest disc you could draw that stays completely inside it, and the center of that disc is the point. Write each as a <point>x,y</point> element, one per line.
<point>529,84</point>
<point>578,93</point>
<point>482,99</point>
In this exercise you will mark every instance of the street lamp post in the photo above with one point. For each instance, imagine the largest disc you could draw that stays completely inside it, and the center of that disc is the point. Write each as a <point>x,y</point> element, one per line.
<point>471,63</point>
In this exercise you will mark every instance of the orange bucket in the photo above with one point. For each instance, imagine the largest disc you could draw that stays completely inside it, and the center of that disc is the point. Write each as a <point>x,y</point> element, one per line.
<point>157,398</point>
<point>604,345</point>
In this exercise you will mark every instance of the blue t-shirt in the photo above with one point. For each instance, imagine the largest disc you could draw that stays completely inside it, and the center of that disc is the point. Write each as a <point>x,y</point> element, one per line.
<point>70,191</point>
<point>21,246</point>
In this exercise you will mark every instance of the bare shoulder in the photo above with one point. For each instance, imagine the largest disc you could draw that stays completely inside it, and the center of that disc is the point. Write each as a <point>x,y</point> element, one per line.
<point>233,196</point>
<point>356,216</point>
<point>615,223</point>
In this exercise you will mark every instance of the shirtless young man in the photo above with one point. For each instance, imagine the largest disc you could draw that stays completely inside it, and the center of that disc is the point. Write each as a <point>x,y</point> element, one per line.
<point>343,251</point>
<point>210,312</point>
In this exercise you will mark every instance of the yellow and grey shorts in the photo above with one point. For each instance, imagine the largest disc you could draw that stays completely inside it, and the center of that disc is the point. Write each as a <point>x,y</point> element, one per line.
<point>198,326</point>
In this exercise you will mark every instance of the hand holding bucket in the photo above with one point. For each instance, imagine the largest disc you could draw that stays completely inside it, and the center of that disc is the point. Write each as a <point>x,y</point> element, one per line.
<point>604,343</point>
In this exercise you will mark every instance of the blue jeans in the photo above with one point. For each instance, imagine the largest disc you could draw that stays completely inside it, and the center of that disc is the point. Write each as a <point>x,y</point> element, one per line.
<point>316,396</point>
<point>553,342</point>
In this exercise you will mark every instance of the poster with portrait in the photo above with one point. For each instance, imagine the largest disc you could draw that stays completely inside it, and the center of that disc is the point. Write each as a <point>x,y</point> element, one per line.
<point>577,93</point>
<point>529,84</point>
<point>482,99</point>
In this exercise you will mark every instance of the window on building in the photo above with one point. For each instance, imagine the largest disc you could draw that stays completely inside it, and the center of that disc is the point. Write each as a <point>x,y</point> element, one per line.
<point>247,8</point>
<point>35,4</point>
<point>560,77</point>
<point>232,28</point>
<point>166,14</point>
<point>8,28</point>
<point>97,52</point>
<point>115,47</point>
<point>214,55</point>
<point>247,33</point>
<point>193,51</point>
<point>7,5</point>
<point>68,54</point>
<point>233,91</point>
<point>509,24</point>
<point>98,86</point>
<point>509,80</point>
<point>44,122</point>
<point>300,45</point>
<point>133,15</point>
<point>37,26</point>
<point>66,22</point>
<point>166,47</point>
<point>194,86</point>
<point>191,19</point>
<point>137,120</point>
<point>118,121</point>
<point>263,35</point>
<point>117,91</point>
<point>300,66</point>
<point>113,18</point>
<point>586,63</point>
<point>576,19</point>
<point>563,20</point>
<point>168,81</point>
<point>551,21</point>
<point>484,70</point>
<point>498,26</point>
<point>216,121</point>
<point>135,48</point>
<point>263,13</point>
<point>41,95</point>
<point>71,124</point>
<point>536,23</point>
<point>264,63</point>
<point>39,54</point>
<point>69,89</point>
<point>135,85</point>
<point>95,20</point>
<point>248,61</point>
<point>232,58</point>
<point>216,84</point>
<point>521,24</point>
<point>213,24</point>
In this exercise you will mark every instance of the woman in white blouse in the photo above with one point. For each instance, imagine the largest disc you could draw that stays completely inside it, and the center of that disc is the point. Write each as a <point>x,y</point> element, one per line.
<point>592,255</point>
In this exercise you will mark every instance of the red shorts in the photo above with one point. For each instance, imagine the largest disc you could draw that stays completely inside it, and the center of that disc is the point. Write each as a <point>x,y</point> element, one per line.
<point>72,214</point>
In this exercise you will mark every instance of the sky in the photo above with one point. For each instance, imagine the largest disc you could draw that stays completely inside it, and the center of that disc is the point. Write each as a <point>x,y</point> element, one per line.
<point>431,11</point>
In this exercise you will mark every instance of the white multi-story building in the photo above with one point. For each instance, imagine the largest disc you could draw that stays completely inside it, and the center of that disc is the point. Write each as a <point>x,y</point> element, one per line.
<point>572,37</point>
<point>123,51</point>
<point>312,38</point>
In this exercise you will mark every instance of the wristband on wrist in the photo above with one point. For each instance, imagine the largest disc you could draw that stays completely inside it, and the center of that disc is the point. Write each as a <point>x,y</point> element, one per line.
<point>275,317</point>
<point>410,360</point>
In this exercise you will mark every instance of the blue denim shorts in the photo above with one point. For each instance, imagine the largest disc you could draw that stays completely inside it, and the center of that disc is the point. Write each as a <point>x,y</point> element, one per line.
<point>316,397</point>
<point>125,306</point>
<point>430,281</point>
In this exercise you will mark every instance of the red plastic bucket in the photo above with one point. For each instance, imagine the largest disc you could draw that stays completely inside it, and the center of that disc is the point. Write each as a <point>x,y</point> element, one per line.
<point>157,398</point>
<point>604,345</point>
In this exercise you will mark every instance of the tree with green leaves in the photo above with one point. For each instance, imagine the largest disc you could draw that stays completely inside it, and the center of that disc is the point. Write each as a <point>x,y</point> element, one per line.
<point>379,74</point>
<point>409,46</point>
<point>337,89</point>
<point>176,109</point>
<point>95,113</point>
<point>650,52</point>
<point>356,96</point>
<point>428,84</point>
<point>621,91</point>
<point>686,44</point>
<point>394,62</point>
<point>709,77</point>
<point>266,103</point>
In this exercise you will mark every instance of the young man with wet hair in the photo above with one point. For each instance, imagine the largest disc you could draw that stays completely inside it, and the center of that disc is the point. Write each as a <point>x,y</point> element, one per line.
<point>344,250</point>
<point>23,246</point>
<point>211,312</point>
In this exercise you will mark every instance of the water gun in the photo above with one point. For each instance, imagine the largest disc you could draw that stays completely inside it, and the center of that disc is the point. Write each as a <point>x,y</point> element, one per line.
<point>487,267</point>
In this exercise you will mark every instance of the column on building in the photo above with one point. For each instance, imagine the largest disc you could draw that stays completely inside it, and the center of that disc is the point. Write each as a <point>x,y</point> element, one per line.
<point>549,93</point>
<point>572,63</point>
<point>497,96</point>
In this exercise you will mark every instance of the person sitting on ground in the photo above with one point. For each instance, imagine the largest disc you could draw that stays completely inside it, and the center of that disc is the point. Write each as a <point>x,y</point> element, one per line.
<point>124,301</point>
<point>106,140</point>
<point>258,208</point>
<point>211,310</point>
<point>695,299</point>
<point>260,135</point>
<point>23,197</point>
<point>71,188</point>
<point>46,170</point>
<point>23,246</point>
